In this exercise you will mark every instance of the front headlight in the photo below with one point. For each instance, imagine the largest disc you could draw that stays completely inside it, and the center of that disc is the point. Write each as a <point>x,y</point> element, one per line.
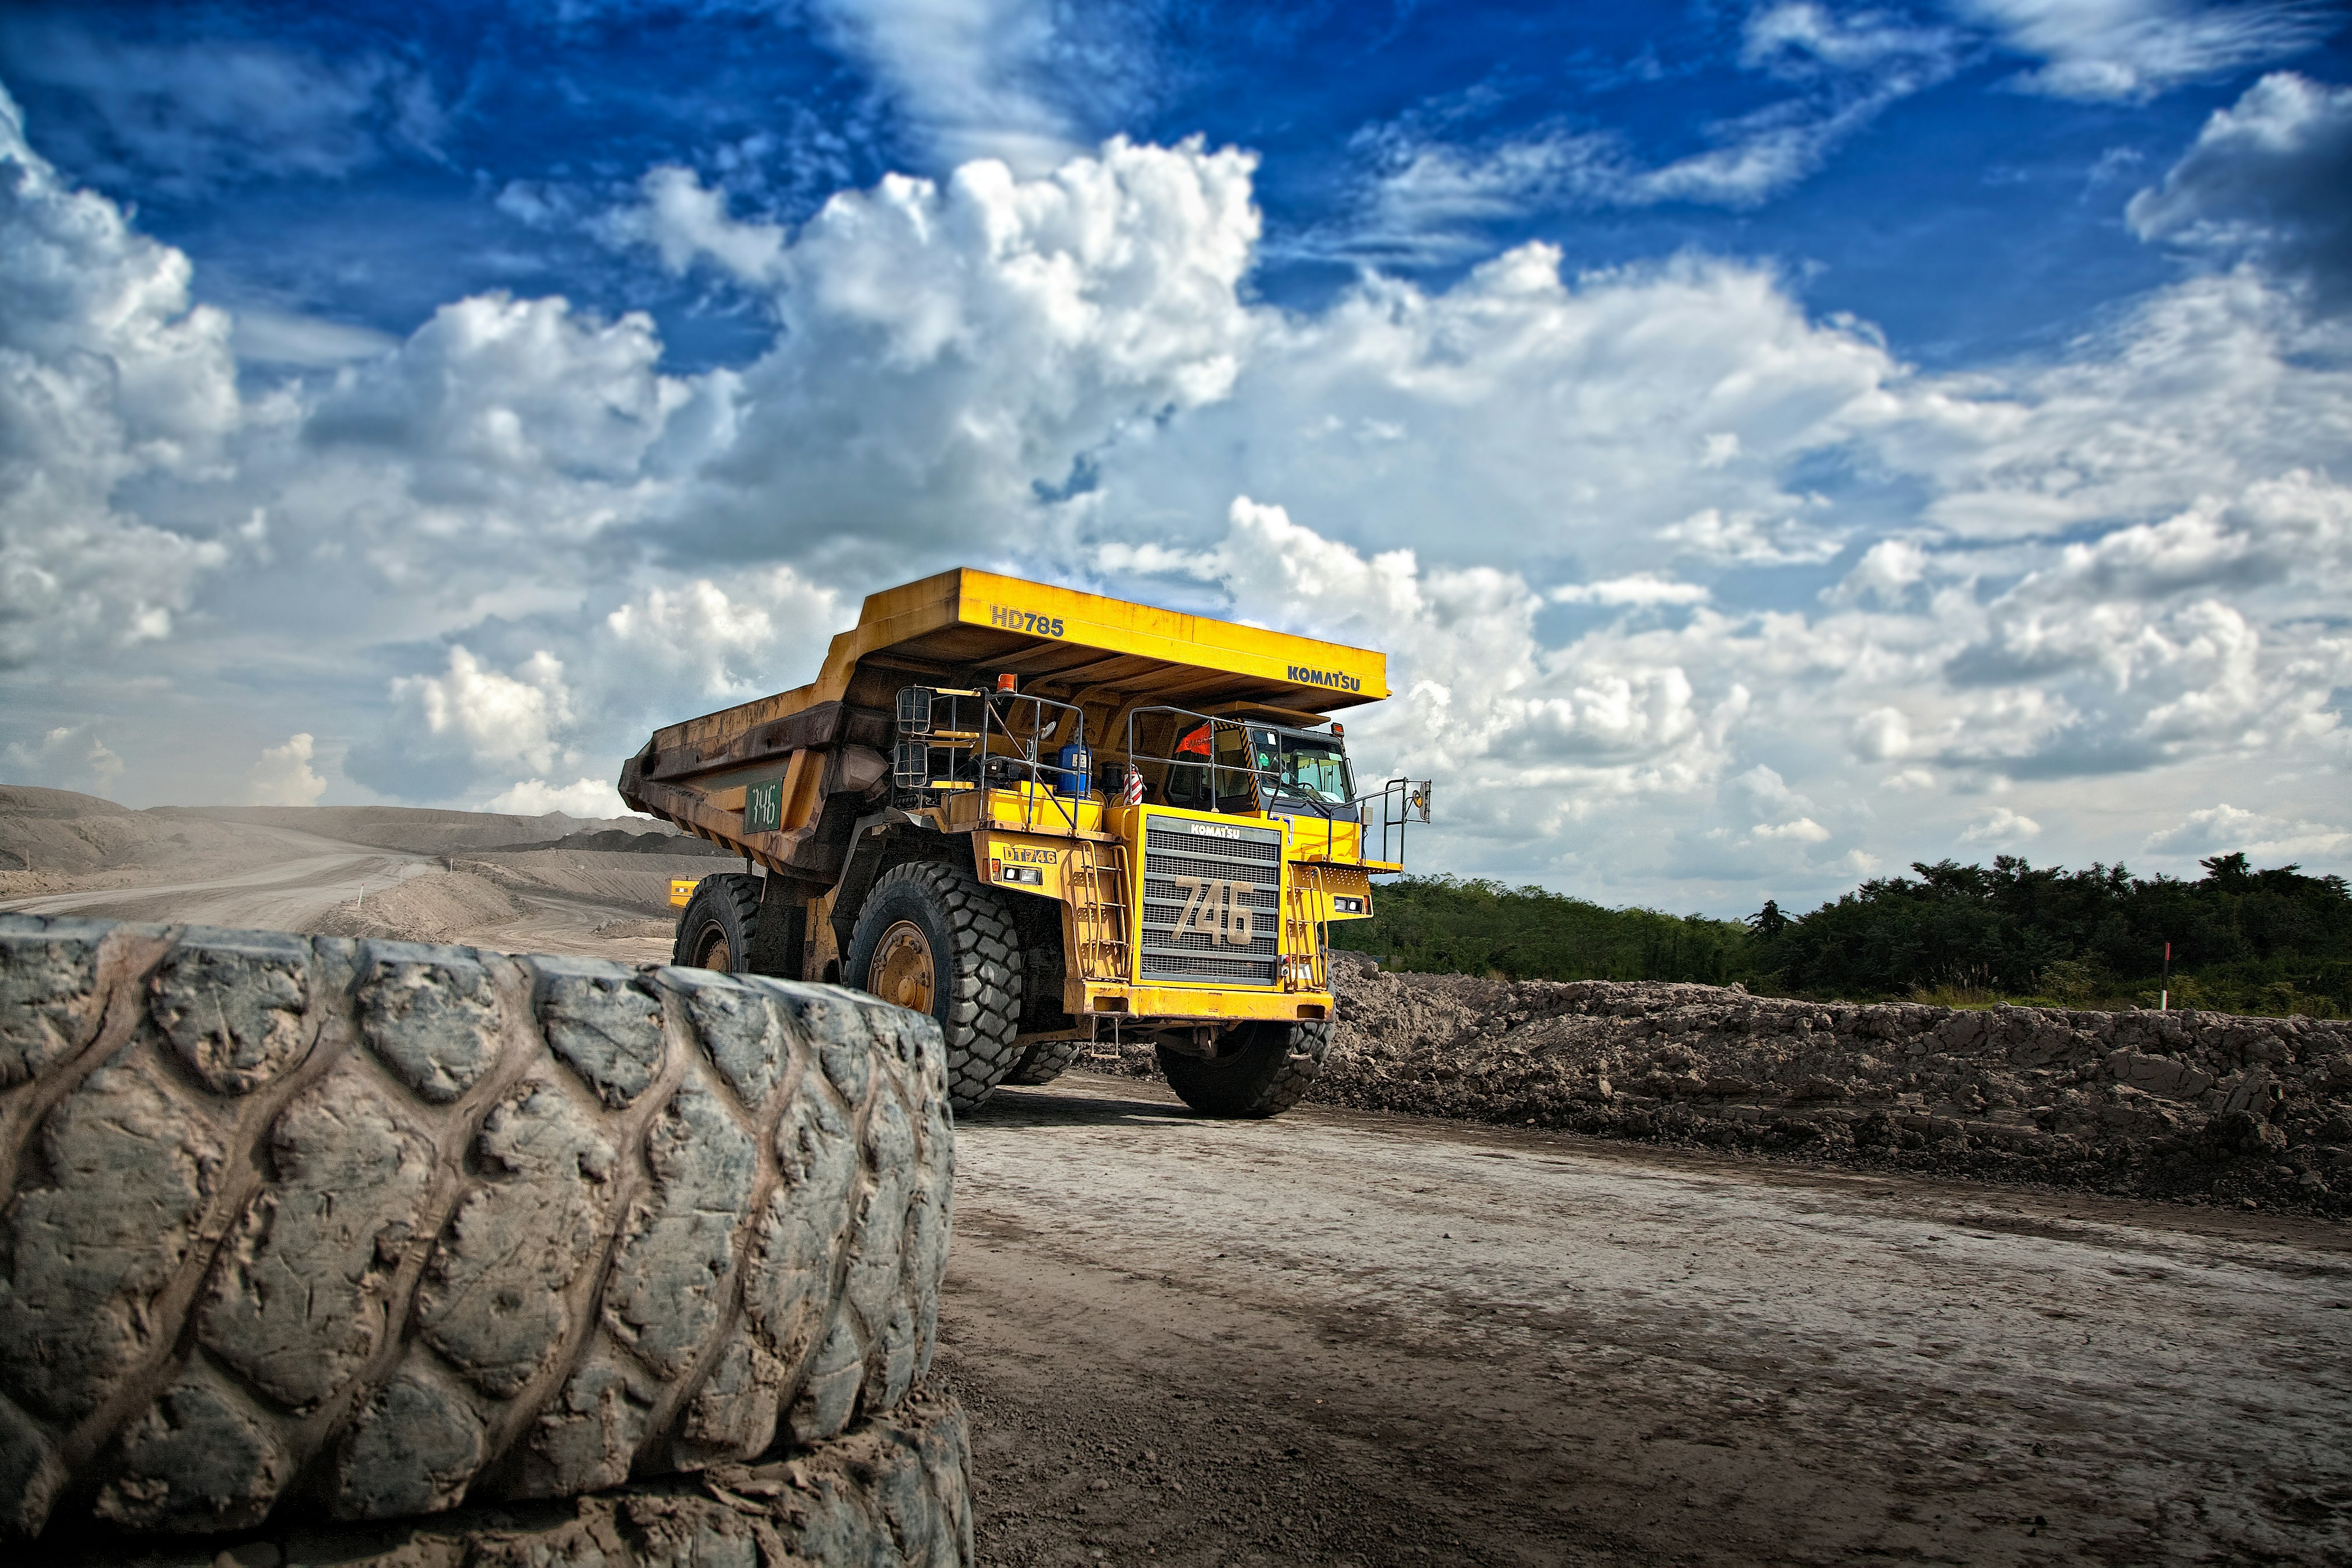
<point>1347,906</point>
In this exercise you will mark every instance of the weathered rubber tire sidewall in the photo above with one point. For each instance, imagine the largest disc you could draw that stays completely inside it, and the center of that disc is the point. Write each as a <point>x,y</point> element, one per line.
<point>729,901</point>
<point>976,991</point>
<point>1266,1076</point>
<point>300,1225</point>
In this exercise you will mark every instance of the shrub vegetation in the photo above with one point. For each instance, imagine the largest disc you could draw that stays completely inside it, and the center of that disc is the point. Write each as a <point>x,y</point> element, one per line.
<point>2266,941</point>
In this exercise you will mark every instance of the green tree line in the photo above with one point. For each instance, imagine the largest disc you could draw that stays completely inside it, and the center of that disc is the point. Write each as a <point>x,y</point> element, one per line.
<point>1444,926</point>
<point>2242,940</point>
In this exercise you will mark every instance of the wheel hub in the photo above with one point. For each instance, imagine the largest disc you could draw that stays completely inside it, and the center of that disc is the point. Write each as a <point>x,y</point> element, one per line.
<point>903,970</point>
<point>716,955</point>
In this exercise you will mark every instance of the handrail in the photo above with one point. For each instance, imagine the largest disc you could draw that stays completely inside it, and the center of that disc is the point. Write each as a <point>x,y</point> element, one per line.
<point>920,728</point>
<point>1403,801</point>
<point>1258,776</point>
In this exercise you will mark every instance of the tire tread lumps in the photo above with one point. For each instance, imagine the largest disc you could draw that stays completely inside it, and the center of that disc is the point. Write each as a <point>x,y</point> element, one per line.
<point>381,1228</point>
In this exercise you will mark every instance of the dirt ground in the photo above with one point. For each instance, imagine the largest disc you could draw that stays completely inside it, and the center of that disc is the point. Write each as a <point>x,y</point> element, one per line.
<point>1343,1336</point>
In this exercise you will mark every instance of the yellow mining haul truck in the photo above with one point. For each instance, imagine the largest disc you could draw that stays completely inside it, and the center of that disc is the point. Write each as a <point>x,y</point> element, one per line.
<point>1048,819</point>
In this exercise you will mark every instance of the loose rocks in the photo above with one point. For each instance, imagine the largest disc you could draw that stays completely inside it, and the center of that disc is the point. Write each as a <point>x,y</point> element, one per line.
<point>300,1225</point>
<point>2181,1104</point>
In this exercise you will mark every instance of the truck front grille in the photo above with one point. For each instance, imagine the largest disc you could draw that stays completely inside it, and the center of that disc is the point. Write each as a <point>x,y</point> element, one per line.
<point>1233,871</point>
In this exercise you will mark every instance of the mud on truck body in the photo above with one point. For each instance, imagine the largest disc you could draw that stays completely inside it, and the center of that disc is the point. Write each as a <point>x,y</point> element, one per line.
<point>1049,819</point>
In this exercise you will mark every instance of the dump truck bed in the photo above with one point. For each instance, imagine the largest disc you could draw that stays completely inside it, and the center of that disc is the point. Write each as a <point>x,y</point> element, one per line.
<point>829,740</point>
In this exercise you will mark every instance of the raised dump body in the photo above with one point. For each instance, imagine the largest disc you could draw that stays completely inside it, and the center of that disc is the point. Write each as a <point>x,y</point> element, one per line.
<point>1048,818</point>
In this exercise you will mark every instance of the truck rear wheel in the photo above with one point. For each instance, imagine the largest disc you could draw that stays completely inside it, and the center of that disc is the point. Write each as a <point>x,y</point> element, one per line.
<point>1263,1069</point>
<point>1045,1060</point>
<point>716,928</point>
<point>933,937</point>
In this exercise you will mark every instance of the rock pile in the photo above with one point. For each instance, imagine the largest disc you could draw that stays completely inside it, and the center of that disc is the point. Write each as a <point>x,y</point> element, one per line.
<point>2183,1104</point>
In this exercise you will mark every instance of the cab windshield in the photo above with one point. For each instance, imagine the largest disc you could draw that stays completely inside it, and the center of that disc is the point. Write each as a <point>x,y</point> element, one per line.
<point>1302,766</point>
<point>1309,767</point>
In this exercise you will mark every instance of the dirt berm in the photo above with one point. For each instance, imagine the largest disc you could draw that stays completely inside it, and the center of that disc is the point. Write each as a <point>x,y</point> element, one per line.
<point>2193,1105</point>
<point>301,1226</point>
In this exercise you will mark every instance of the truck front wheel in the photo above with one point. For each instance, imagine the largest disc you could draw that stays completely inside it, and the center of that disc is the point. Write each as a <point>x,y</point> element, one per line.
<point>1260,1069</point>
<point>933,937</point>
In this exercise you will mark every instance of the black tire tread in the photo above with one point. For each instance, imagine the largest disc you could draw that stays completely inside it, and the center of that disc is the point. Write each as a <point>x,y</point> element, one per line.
<point>979,1004</point>
<point>892,1492</point>
<point>300,1224</point>
<point>1044,1061</point>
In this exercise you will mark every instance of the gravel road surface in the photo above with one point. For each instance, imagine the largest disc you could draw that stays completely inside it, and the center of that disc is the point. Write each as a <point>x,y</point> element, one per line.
<point>282,894</point>
<point>1341,1336</point>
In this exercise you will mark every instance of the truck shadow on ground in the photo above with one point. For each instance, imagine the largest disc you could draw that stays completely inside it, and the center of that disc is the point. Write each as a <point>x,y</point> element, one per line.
<point>1028,1108</point>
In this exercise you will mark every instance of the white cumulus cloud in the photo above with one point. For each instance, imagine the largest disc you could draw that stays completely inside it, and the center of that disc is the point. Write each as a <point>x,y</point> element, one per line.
<point>2266,178</point>
<point>283,776</point>
<point>594,798</point>
<point>2223,829</point>
<point>108,374</point>
<point>2002,827</point>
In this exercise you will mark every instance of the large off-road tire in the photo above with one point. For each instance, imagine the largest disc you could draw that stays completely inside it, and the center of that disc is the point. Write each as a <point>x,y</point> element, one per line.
<point>892,1492</point>
<point>718,924</point>
<point>1044,1061</point>
<point>304,1224</point>
<point>1263,1069</point>
<point>933,937</point>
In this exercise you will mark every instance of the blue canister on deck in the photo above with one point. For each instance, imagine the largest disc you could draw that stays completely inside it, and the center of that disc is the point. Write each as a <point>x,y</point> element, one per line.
<point>1074,769</point>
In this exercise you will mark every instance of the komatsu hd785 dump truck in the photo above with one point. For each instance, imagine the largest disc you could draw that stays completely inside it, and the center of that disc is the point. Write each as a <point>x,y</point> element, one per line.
<point>1048,819</point>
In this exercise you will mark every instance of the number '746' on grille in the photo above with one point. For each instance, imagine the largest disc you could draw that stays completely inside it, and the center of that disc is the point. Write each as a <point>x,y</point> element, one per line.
<point>1217,908</point>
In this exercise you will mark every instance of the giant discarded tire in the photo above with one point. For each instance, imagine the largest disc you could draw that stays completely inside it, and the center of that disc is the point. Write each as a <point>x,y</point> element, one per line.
<point>1263,1073</point>
<point>892,1492</point>
<point>370,1228</point>
<point>973,951</point>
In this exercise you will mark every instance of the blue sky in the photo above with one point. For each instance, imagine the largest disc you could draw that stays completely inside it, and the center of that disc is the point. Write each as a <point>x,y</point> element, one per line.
<point>1778,441</point>
<point>337,162</point>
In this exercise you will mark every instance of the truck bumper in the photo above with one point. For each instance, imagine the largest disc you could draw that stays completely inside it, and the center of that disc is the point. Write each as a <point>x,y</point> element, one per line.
<point>1183,1004</point>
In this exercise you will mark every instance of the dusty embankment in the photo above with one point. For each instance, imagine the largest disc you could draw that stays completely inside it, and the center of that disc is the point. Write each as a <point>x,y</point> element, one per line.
<point>2190,1105</point>
<point>420,830</point>
<point>55,841</point>
<point>553,884</point>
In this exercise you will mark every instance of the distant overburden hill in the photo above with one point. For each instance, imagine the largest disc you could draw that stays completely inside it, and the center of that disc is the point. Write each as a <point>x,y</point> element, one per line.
<point>60,830</point>
<point>415,829</point>
<point>2267,942</point>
